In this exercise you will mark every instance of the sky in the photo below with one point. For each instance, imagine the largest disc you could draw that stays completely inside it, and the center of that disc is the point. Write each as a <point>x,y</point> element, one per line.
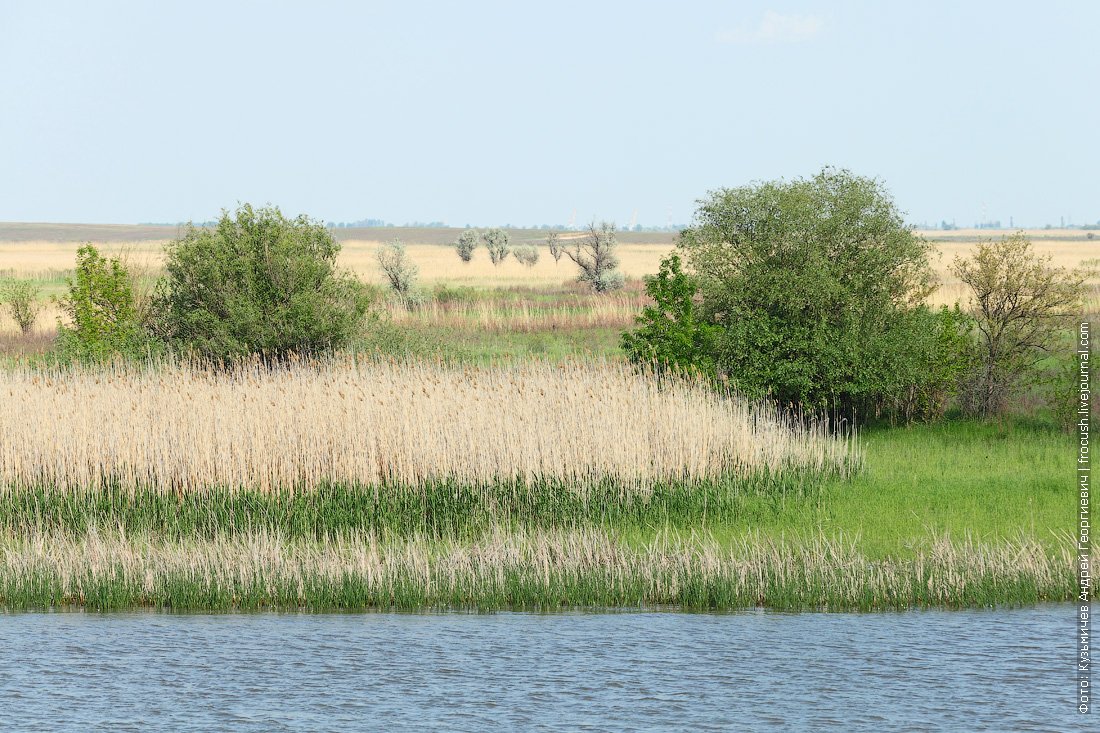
<point>492,113</point>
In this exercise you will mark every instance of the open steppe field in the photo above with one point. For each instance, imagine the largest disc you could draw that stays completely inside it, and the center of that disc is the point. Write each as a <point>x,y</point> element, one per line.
<point>47,251</point>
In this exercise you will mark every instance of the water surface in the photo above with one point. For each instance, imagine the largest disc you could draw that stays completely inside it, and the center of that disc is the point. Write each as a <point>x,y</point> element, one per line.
<point>930,670</point>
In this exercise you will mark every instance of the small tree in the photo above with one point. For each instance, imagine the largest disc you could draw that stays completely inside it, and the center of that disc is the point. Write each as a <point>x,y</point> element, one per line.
<point>671,333</point>
<point>257,283</point>
<point>555,245</point>
<point>103,319</point>
<point>466,244</point>
<point>595,255</point>
<point>21,298</point>
<point>1020,304</point>
<point>527,254</point>
<point>399,270</point>
<point>496,240</point>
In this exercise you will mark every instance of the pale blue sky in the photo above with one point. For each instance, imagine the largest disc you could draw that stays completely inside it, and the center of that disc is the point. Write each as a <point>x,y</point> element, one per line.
<point>492,113</point>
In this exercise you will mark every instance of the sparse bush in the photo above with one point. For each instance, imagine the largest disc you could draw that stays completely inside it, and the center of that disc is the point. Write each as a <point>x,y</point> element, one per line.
<point>257,283</point>
<point>466,244</point>
<point>527,254</point>
<point>496,241</point>
<point>1021,304</point>
<point>399,270</point>
<point>595,255</point>
<point>21,299</point>
<point>103,320</point>
<point>555,245</point>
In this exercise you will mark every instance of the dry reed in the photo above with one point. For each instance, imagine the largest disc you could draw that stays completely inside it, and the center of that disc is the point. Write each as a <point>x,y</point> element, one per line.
<point>343,421</point>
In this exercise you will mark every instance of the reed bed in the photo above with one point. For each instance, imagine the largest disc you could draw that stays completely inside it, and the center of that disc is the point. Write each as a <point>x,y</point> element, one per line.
<point>180,428</point>
<point>517,570</point>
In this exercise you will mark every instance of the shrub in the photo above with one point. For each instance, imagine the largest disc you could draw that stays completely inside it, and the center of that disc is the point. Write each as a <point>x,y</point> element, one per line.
<point>527,254</point>
<point>556,247</point>
<point>257,283</point>
<point>595,255</point>
<point>671,334</point>
<point>1021,303</point>
<point>399,270</point>
<point>817,288</point>
<point>466,244</point>
<point>103,319</point>
<point>21,298</point>
<point>443,294</point>
<point>936,348</point>
<point>496,241</point>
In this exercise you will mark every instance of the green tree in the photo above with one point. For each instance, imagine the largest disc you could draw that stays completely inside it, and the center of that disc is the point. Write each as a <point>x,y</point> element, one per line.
<point>817,287</point>
<point>257,283</point>
<point>103,319</point>
<point>671,334</point>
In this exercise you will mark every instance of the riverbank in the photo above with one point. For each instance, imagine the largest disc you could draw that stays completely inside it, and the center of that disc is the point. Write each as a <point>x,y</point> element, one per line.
<point>958,514</point>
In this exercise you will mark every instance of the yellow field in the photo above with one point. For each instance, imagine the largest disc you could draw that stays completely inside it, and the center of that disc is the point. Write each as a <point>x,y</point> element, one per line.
<point>50,261</point>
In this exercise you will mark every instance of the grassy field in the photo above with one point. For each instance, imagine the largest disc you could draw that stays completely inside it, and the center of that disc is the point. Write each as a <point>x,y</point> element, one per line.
<point>488,449</point>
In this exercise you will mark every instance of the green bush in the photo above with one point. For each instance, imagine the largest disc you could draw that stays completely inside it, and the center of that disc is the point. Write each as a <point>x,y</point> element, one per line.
<point>815,289</point>
<point>104,322</point>
<point>258,283</point>
<point>671,334</point>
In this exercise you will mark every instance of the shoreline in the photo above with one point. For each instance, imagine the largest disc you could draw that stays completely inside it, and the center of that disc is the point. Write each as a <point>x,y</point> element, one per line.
<point>575,569</point>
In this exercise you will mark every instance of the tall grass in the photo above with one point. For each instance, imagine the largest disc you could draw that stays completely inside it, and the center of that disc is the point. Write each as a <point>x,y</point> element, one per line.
<point>544,570</point>
<point>575,426</point>
<point>525,315</point>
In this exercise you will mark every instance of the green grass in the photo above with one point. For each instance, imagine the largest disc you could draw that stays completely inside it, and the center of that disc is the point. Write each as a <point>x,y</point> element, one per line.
<point>434,508</point>
<point>989,482</point>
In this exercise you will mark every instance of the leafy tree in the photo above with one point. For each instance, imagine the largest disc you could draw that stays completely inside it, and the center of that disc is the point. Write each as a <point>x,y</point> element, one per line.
<point>466,244</point>
<point>817,287</point>
<point>937,346</point>
<point>257,283</point>
<point>103,319</point>
<point>1021,303</point>
<point>671,334</point>
<point>527,254</point>
<point>399,270</point>
<point>21,298</point>
<point>595,255</point>
<point>496,240</point>
<point>555,245</point>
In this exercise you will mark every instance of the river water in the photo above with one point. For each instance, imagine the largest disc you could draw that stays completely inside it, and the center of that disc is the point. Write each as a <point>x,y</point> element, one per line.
<point>918,670</point>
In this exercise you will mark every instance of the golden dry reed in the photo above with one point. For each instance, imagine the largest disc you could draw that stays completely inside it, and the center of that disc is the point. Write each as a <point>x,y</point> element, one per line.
<point>556,568</point>
<point>352,422</point>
